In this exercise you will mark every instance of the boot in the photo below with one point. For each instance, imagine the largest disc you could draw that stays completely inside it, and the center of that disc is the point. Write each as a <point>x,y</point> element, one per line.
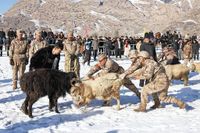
<point>14,85</point>
<point>156,102</point>
<point>142,108</point>
<point>181,104</point>
<point>106,103</point>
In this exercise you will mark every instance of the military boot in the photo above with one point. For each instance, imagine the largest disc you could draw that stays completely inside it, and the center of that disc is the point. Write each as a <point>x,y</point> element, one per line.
<point>156,102</point>
<point>142,108</point>
<point>14,85</point>
<point>181,104</point>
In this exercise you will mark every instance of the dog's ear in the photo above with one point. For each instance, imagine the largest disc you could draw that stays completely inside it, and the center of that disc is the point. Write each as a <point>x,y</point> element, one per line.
<point>74,81</point>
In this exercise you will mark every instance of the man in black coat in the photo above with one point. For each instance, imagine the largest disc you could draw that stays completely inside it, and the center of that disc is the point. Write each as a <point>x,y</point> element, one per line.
<point>148,46</point>
<point>47,57</point>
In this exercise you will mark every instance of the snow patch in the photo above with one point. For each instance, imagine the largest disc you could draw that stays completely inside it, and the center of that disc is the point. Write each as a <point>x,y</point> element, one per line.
<point>100,22</point>
<point>76,1</point>
<point>42,2</point>
<point>37,22</point>
<point>98,119</point>
<point>97,27</point>
<point>190,21</point>
<point>22,13</point>
<point>190,3</point>
<point>104,16</point>
<point>160,1</point>
<point>1,18</point>
<point>139,2</point>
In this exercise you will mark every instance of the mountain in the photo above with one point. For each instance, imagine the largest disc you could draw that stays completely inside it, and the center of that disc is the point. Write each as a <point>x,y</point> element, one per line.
<point>128,17</point>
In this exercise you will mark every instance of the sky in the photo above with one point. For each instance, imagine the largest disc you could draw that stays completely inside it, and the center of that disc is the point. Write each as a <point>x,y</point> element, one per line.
<point>6,4</point>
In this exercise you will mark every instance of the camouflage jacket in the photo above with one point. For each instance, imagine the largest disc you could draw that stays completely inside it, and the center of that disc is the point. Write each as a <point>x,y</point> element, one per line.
<point>150,70</point>
<point>134,66</point>
<point>19,49</point>
<point>167,55</point>
<point>71,48</point>
<point>35,46</point>
<point>109,67</point>
<point>187,51</point>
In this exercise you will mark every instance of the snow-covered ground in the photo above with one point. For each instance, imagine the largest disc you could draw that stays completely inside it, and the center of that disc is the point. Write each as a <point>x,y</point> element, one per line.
<point>98,119</point>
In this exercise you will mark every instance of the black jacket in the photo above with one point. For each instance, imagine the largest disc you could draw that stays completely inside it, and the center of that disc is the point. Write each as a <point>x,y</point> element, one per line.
<point>150,48</point>
<point>44,58</point>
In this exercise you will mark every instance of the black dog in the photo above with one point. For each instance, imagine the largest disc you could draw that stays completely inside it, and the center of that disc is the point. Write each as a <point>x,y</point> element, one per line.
<point>42,82</point>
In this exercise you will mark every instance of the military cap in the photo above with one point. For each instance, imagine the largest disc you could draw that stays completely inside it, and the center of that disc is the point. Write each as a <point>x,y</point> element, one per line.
<point>19,31</point>
<point>38,32</point>
<point>132,54</point>
<point>70,34</point>
<point>144,54</point>
<point>101,57</point>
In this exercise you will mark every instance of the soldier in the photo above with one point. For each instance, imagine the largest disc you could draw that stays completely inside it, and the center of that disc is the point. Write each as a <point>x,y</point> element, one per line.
<point>168,56</point>
<point>37,43</point>
<point>107,65</point>
<point>158,83</point>
<point>134,66</point>
<point>71,49</point>
<point>187,52</point>
<point>18,53</point>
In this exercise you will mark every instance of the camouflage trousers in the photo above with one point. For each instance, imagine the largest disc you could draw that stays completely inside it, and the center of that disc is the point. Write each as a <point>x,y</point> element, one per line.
<point>159,89</point>
<point>128,84</point>
<point>72,65</point>
<point>18,68</point>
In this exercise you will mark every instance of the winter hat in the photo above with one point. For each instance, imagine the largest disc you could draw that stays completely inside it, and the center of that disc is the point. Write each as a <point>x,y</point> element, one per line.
<point>59,44</point>
<point>101,57</point>
<point>146,35</point>
<point>132,54</point>
<point>144,54</point>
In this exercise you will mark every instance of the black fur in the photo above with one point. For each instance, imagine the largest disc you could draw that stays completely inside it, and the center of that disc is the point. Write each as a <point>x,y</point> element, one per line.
<point>42,82</point>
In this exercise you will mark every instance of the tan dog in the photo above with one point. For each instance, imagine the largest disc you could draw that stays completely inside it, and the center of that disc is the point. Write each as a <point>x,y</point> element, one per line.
<point>178,72</point>
<point>197,67</point>
<point>103,88</point>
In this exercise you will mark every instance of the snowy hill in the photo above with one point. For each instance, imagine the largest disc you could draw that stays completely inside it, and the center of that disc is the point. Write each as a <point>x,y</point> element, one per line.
<point>98,119</point>
<point>129,17</point>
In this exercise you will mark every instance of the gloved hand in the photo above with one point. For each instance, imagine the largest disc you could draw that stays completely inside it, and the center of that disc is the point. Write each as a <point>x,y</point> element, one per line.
<point>91,77</point>
<point>88,78</point>
<point>11,62</point>
<point>122,76</point>
<point>26,61</point>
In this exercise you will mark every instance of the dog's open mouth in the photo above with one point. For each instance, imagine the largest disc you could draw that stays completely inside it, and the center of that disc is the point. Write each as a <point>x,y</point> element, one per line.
<point>78,101</point>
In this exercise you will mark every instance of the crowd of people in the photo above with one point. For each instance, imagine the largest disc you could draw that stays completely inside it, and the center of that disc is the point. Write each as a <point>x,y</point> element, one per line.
<point>43,50</point>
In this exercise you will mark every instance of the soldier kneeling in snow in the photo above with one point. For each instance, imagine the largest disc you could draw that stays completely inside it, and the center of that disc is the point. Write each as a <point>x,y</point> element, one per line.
<point>158,83</point>
<point>107,65</point>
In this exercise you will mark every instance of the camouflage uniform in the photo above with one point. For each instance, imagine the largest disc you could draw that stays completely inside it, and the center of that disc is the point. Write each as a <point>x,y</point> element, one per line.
<point>168,57</point>
<point>18,53</point>
<point>187,53</point>
<point>158,85</point>
<point>36,45</point>
<point>130,71</point>
<point>71,49</point>
<point>112,67</point>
